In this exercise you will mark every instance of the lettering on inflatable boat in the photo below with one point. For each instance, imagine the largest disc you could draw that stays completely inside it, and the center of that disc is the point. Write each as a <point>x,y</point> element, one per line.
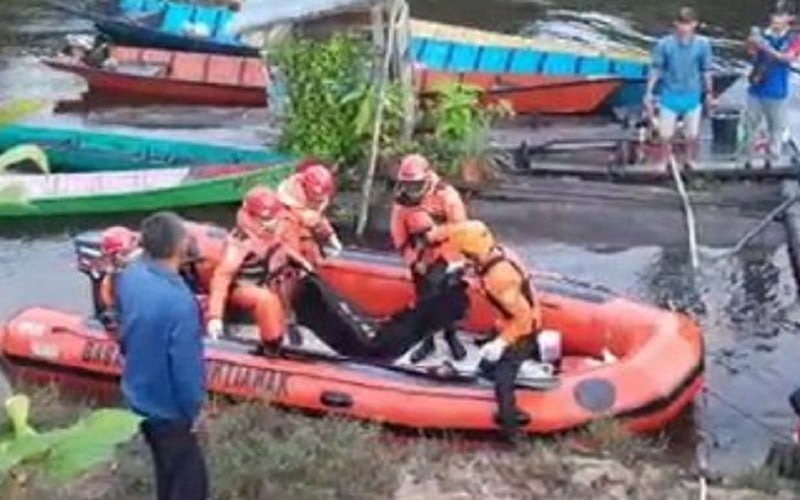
<point>103,353</point>
<point>259,380</point>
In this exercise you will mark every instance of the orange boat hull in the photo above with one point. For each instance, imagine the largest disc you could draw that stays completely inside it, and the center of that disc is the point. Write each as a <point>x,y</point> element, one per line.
<point>531,93</point>
<point>659,371</point>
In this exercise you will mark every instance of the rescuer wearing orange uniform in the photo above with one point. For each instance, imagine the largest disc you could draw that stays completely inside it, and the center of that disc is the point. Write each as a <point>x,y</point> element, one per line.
<point>250,272</point>
<point>505,283</point>
<point>119,245</point>
<point>306,195</point>
<point>421,199</point>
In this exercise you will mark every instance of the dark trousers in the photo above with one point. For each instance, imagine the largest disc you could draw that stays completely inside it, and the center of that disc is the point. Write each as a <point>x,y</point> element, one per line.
<point>505,374</point>
<point>180,468</point>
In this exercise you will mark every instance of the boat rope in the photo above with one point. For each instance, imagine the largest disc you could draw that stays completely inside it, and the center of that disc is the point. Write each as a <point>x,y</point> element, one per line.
<point>688,211</point>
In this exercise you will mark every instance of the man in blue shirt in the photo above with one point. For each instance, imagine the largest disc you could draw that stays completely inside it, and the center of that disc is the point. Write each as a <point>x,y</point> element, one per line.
<point>773,49</point>
<point>163,374</point>
<point>681,68</point>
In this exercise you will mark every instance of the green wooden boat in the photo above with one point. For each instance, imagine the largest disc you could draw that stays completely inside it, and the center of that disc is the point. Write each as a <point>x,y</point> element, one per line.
<point>71,150</point>
<point>24,195</point>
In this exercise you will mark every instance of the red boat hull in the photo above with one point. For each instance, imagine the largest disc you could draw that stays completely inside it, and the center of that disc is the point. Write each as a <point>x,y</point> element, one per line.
<point>185,78</point>
<point>530,94</point>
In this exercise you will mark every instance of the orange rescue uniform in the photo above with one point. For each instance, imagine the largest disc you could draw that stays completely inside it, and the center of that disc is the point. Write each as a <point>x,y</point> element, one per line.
<point>444,205</point>
<point>507,286</point>
<point>305,226</point>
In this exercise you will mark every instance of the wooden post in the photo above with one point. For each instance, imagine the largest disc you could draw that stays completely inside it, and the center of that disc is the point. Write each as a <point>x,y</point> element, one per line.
<point>369,179</point>
<point>405,70</point>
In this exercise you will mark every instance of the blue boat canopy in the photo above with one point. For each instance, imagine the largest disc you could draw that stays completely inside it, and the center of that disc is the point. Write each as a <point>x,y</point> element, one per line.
<point>258,14</point>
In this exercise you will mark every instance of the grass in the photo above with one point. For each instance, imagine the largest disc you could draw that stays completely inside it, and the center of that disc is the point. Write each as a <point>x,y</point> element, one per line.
<point>255,451</point>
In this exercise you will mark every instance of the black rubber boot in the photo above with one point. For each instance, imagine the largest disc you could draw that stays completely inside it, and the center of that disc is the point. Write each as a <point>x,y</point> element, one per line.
<point>424,350</point>
<point>457,349</point>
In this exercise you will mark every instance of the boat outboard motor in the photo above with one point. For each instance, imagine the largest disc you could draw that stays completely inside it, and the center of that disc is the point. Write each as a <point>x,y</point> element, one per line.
<point>350,332</point>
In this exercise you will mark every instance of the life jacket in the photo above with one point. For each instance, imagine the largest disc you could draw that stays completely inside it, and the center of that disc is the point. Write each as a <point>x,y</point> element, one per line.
<point>434,202</point>
<point>262,267</point>
<point>526,287</point>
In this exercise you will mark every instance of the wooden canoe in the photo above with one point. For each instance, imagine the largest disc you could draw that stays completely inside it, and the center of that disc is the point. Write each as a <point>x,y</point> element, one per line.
<point>71,150</point>
<point>530,94</point>
<point>153,75</point>
<point>454,49</point>
<point>132,191</point>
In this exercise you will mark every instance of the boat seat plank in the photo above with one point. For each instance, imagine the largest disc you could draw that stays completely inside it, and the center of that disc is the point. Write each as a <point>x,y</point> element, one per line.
<point>222,33</point>
<point>560,64</point>
<point>525,61</point>
<point>417,47</point>
<point>153,5</point>
<point>176,17</point>
<point>464,58</point>
<point>156,56</point>
<point>493,59</point>
<point>595,66</point>
<point>254,73</point>
<point>630,69</point>
<point>208,16</point>
<point>189,66</point>
<point>224,70</point>
<point>132,6</point>
<point>436,54</point>
<point>126,54</point>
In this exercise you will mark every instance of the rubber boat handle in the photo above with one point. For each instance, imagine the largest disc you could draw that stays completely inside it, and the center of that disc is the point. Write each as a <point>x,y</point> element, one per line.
<point>333,399</point>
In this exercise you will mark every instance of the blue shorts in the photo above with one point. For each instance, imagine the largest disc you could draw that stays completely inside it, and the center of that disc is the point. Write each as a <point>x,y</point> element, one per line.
<point>681,104</point>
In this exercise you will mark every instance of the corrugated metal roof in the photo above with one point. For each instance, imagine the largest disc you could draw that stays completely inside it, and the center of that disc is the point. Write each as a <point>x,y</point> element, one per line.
<point>256,14</point>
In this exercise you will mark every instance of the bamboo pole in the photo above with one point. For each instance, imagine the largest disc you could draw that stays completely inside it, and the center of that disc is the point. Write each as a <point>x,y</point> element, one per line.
<point>688,212</point>
<point>369,179</point>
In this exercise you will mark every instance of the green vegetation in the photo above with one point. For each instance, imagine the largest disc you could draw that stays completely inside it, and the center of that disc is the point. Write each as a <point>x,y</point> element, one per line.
<point>62,453</point>
<point>332,106</point>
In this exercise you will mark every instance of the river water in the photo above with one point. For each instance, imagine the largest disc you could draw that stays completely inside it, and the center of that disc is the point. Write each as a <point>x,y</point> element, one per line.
<point>746,305</point>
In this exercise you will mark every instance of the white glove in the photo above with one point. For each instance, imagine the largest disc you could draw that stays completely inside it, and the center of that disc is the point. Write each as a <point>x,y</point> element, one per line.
<point>215,328</point>
<point>491,351</point>
<point>333,247</point>
<point>454,267</point>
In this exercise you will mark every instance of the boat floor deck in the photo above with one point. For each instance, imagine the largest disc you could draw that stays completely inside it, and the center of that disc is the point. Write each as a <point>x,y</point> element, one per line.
<point>532,373</point>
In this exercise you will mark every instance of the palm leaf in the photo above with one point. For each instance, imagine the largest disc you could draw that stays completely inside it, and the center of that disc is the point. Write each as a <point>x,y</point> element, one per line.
<point>25,153</point>
<point>69,452</point>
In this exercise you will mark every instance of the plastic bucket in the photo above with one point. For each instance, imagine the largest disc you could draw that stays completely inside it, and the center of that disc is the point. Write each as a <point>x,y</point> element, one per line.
<point>725,130</point>
<point>549,346</point>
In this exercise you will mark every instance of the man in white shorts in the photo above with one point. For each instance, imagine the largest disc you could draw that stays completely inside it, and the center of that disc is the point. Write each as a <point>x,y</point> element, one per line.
<point>681,68</point>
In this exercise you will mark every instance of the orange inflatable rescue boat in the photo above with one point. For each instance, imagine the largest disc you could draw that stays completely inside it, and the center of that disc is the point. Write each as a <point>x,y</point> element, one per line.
<point>654,372</point>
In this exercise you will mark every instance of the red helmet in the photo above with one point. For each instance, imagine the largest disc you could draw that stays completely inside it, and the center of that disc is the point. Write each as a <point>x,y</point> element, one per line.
<point>118,240</point>
<point>305,163</point>
<point>262,203</point>
<point>414,180</point>
<point>317,183</point>
<point>414,168</point>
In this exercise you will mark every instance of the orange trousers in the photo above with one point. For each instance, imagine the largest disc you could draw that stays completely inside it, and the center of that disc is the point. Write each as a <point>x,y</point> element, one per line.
<point>265,306</point>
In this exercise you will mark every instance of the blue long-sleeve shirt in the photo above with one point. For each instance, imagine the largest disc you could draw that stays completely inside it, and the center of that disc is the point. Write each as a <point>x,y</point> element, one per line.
<point>160,329</point>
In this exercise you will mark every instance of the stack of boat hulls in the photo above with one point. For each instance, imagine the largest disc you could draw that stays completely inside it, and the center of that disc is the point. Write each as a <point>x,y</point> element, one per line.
<point>620,358</point>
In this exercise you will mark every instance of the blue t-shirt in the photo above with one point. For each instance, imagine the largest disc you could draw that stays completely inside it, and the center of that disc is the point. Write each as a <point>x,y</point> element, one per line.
<point>774,83</point>
<point>682,65</point>
<point>160,328</point>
